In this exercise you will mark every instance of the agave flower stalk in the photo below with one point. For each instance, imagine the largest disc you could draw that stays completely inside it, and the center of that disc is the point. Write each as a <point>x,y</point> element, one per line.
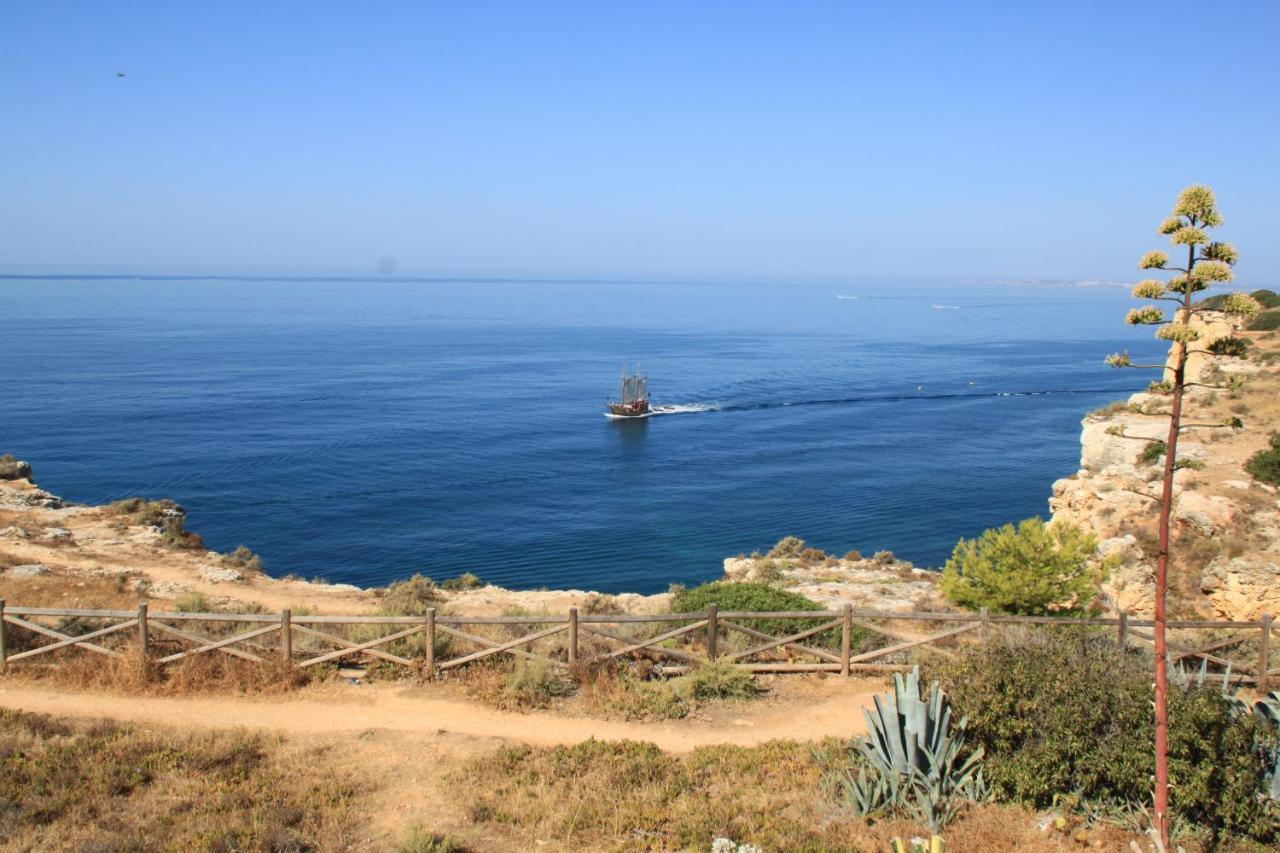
<point>1208,263</point>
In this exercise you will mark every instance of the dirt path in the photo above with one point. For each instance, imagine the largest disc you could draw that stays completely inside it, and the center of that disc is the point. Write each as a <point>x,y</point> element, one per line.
<point>833,710</point>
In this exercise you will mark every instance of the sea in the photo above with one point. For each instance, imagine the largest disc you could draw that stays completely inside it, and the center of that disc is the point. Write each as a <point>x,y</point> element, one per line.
<point>364,430</point>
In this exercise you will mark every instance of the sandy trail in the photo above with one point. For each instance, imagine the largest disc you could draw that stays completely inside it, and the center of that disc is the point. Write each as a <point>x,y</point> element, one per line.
<point>833,711</point>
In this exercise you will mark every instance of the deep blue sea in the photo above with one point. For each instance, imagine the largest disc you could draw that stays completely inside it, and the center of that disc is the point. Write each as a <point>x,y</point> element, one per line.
<point>364,430</point>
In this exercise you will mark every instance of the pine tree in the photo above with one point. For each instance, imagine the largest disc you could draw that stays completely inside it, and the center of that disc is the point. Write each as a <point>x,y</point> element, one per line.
<point>1208,263</point>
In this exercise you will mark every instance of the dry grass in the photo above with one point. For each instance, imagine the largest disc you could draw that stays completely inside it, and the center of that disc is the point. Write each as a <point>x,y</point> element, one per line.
<point>206,673</point>
<point>105,786</point>
<point>69,591</point>
<point>631,796</point>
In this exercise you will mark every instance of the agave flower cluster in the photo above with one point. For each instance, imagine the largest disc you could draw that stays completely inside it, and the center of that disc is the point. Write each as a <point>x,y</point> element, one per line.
<point>913,761</point>
<point>1195,211</point>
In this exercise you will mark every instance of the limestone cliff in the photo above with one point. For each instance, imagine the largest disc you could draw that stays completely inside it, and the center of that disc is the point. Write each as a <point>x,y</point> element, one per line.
<point>1226,527</point>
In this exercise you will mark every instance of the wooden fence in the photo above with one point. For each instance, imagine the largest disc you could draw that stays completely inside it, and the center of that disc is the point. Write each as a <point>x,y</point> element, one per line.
<point>436,643</point>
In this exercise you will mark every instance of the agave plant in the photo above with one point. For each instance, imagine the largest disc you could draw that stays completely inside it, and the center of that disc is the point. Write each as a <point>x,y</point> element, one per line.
<point>912,760</point>
<point>1268,708</point>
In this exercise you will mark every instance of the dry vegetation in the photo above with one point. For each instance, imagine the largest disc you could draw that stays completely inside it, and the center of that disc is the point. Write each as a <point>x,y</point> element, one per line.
<point>104,786</point>
<point>631,796</point>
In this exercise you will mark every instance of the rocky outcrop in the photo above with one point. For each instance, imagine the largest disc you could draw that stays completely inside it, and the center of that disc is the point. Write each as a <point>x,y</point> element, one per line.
<point>876,583</point>
<point>1243,587</point>
<point>1225,526</point>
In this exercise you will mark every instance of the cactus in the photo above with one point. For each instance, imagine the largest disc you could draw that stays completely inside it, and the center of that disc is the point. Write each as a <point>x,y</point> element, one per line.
<point>911,760</point>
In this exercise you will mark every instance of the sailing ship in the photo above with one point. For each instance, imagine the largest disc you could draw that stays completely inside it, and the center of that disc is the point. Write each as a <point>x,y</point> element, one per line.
<point>634,401</point>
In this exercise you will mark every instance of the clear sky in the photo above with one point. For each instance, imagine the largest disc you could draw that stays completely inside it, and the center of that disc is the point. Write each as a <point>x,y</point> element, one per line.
<point>765,140</point>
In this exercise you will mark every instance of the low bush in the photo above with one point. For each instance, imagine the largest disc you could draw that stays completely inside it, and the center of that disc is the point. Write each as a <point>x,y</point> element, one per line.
<point>728,595</point>
<point>1112,408</point>
<point>164,515</point>
<point>597,604</point>
<point>787,546</point>
<point>413,596</point>
<point>244,559</point>
<point>1233,347</point>
<point>1264,466</point>
<point>718,680</point>
<point>193,602</point>
<point>534,684</point>
<point>1032,569</point>
<point>1151,453</point>
<point>464,581</point>
<point>419,840</point>
<point>1061,715</point>
<point>1267,321</point>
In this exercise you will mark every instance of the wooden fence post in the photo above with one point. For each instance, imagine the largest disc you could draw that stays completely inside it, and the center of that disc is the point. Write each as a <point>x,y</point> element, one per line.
<point>573,636</point>
<point>430,644</point>
<point>713,628</point>
<point>144,641</point>
<point>1264,654</point>
<point>985,627</point>
<point>144,633</point>
<point>4,647</point>
<point>1123,631</point>
<point>286,636</point>
<point>846,639</point>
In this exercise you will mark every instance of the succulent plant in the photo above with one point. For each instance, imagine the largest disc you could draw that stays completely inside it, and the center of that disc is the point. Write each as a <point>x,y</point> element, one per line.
<point>1268,708</point>
<point>912,760</point>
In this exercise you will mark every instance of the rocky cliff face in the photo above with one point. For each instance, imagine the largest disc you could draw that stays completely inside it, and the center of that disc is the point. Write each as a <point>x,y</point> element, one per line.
<point>1226,527</point>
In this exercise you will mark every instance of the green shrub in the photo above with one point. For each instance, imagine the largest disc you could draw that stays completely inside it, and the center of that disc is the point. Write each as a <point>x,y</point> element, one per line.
<point>1059,715</point>
<point>1264,465</point>
<point>1112,408</point>
<point>466,580</point>
<point>769,570</point>
<point>244,559</point>
<point>534,684</point>
<point>751,596</point>
<point>718,680</point>
<point>419,840</point>
<point>1033,569</point>
<point>1267,321</point>
<point>1267,298</point>
<point>596,604</point>
<point>788,546</point>
<point>1151,453</point>
<point>413,596</point>
<point>193,602</point>
<point>1235,347</point>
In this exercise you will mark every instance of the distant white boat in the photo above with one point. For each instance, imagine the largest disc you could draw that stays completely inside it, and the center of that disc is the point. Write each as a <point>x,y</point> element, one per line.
<point>946,307</point>
<point>842,296</point>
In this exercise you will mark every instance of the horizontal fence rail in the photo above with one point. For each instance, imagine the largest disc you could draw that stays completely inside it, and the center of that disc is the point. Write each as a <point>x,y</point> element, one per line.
<point>841,641</point>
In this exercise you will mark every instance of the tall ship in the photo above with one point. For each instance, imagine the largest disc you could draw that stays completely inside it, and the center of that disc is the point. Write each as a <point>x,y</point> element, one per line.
<point>634,397</point>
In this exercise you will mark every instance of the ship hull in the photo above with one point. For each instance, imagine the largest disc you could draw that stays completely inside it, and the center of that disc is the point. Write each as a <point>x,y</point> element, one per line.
<point>638,409</point>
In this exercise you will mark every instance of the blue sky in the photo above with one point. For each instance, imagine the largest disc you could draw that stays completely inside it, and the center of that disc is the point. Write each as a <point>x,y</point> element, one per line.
<point>763,140</point>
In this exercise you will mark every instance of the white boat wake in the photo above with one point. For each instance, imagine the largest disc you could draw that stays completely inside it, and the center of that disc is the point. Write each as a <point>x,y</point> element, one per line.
<point>680,409</point>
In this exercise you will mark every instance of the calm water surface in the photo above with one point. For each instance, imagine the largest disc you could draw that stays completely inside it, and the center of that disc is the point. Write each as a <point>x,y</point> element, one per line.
<point>364,430</point>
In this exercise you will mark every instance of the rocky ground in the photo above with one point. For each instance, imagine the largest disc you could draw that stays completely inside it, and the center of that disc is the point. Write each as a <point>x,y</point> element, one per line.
<point>57,554</point>
<point>1226,526</point>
